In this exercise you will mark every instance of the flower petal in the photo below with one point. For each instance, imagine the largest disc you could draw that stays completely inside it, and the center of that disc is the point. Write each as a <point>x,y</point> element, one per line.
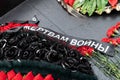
<point>38,77</point>
<point>10,74</point>
<point>49,77</point>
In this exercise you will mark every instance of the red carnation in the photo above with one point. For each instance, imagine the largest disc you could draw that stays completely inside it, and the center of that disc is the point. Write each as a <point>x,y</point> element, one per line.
<point>82,50</point>
<point>113,2</point>
<point>107,40</point>
<point>29,76</point>
<point>111,31</point>
<point>118,40</point>
<point>71,2</point>
<point>18,76</point>
<point>38,77</point>
<point>85,50</point>
<point>114,42</point>
<point>10,74</point>
<point>66,1</point>
<point>3,76</point>
<point>110,40</point>
<point>90,50</point>
<point>49,77</point>
<point>117,25</point>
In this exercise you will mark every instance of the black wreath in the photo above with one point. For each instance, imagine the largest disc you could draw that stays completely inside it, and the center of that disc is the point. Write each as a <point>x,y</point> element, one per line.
<point>29,45</point>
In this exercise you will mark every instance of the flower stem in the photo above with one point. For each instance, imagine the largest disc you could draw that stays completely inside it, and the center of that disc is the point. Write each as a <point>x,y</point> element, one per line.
<point>107,65</point>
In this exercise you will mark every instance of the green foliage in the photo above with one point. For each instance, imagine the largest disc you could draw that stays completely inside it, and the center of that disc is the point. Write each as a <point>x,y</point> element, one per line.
<point>90,6</point>
<point>44,68</point>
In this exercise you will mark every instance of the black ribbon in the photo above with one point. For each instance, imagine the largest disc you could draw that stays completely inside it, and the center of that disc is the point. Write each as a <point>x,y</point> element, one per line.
<point>102,47</point>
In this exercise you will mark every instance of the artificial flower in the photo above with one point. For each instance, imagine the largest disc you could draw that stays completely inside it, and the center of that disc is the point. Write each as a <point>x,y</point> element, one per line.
<point>38,77</point>
<point>18,76</point>
<point>29,76</point>
<point>11,74</point>
<point>3,76</point>
<point>49,77</point>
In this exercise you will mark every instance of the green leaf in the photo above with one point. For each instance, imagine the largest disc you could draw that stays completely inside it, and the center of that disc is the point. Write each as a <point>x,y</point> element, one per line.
<point>84,7</point>
<point>101,6</point>
<point>78,4</point>
<point>92,7</point>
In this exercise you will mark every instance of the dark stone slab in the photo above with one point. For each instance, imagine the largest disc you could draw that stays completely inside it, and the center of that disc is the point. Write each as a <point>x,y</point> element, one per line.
<point>53,16</point>
<point>6,5</point>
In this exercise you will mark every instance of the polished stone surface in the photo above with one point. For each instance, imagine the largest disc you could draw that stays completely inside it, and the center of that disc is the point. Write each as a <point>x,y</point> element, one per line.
<point>7,5</point>
<point>53,16</point>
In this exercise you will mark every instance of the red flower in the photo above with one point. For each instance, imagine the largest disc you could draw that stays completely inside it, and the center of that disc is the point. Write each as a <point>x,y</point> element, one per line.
<point>32,25</point>
<point>90,50</point>
<point>107,40</point>
<point>18,76</point>
<point>71,2</point>
<point>38,77</point>
<point>15,25</point>
<point>10,74</point>
<point>49,77</point>
<point>111,31</point>
<point>3,76</point>
<point>114,42</point>
<point>113,2</point>
<point>85,50</point>
<point>117,25</point>
<point>29,76</point>
<point>66,1</point>
<point>118,40</point>
<point>82,50</point>
<point>110,40</point>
